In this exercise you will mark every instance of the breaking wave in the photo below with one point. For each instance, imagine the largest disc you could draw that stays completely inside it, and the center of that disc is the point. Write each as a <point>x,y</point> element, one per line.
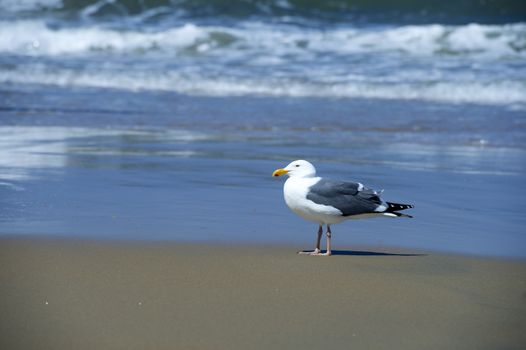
<point>34,37</point>
<point>505,93</point>
<point>454,63</point>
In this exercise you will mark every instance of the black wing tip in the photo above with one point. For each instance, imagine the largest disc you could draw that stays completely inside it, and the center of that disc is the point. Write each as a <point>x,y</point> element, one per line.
<point>397,206</point>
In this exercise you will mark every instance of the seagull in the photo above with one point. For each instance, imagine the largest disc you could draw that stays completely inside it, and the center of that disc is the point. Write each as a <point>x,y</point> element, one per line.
<point>328,202</point>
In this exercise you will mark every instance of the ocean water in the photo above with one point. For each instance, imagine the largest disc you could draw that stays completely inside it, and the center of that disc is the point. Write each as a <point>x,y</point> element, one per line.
<point>163,120</point>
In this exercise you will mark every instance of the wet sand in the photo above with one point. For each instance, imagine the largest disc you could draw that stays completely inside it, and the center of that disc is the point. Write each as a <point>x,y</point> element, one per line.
<point>78,294</point>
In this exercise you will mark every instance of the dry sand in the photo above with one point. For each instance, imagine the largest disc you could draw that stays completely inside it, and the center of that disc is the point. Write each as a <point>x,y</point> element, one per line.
<point>72,294</point>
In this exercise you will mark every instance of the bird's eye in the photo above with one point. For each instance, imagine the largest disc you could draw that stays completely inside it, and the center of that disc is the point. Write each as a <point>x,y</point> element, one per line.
<point>297,165</point>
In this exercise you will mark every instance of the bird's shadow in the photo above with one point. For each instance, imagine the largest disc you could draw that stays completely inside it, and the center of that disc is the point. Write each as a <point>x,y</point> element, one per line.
<point>366,253</point>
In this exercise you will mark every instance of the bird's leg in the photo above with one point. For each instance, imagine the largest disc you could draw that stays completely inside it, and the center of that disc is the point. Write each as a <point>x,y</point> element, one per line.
<point>318,241</point>
<point>316,251</point>
<point>329,234</point>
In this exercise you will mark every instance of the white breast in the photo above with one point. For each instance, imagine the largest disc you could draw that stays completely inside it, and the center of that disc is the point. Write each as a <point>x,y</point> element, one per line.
<point>295,192</point>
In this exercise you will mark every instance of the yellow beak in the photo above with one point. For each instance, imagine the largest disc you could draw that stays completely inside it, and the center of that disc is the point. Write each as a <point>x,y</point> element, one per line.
<point>279,172</point>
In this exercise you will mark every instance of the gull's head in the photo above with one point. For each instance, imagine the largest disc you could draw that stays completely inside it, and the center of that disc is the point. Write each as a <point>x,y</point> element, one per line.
<point>298,168</point>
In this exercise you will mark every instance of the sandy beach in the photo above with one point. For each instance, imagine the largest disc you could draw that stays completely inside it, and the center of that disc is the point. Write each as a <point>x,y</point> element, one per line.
<point>80,294</point>
<point>137,145</point>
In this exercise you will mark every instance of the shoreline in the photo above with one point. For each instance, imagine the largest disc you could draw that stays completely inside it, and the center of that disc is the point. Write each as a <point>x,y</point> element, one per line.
<point>344,249</point>
<point>59,293</point>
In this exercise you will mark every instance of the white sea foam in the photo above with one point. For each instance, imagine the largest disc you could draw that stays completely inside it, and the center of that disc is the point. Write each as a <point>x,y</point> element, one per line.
<point>436,39</point>
<point>459,64</point>
<point>34,37</point>
<point>507,93</point>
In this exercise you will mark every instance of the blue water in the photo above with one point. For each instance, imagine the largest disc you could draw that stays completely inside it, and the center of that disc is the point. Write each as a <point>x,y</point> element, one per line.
<point>164,122</point>
<point>339,49</point>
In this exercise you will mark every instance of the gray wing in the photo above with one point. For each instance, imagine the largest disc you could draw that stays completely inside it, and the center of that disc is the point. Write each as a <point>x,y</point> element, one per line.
<point>351,198</point>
